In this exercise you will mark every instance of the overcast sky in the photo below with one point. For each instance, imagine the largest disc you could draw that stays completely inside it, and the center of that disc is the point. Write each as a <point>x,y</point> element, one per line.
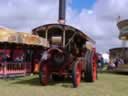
<point>97,19</point>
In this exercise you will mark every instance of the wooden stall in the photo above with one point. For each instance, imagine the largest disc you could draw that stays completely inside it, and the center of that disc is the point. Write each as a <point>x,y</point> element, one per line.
<point>18,52</point>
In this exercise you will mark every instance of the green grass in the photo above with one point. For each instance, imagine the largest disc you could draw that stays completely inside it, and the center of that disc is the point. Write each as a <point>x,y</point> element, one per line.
<point>106,85</point>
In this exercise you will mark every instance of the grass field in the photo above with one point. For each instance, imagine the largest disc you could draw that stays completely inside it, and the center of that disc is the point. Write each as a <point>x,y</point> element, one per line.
<point>106,85</point>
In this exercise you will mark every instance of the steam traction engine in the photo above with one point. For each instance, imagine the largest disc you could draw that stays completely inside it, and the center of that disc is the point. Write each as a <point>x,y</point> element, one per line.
<point>68,54</point>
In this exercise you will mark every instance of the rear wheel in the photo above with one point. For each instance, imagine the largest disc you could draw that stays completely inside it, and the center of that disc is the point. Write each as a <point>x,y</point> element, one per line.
<point>43,75</point>
<point>76,74</point>
<point>90,68</point>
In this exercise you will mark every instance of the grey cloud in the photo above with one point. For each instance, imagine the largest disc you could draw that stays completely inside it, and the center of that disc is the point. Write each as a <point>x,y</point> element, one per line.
<point>107,13</point>
<point>102,24</point>
<point>23,15</point>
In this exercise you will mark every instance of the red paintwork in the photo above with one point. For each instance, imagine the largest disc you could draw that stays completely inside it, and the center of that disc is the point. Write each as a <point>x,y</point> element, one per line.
<point>12,67</point>
<point>18,53</point>
<point>45,75</point>
<point>66,68</point>
<point>78,74</point>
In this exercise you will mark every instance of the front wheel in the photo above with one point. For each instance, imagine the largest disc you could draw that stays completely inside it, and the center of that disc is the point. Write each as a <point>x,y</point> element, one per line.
<point>43,75</point>
<point>76,74</point>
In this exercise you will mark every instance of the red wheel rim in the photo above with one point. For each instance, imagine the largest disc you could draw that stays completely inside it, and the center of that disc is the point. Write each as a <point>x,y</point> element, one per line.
<point>45,75</point>
<point>94,67</point>
<point>78,74</point>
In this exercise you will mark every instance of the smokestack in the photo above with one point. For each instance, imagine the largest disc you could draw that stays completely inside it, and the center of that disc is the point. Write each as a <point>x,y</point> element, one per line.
<point>62,7</point>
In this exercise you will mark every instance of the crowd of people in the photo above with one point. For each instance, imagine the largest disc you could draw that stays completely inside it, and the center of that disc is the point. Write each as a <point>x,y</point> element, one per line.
<point>114,63</point>
<point>111,65</point>
<point>100,63</point>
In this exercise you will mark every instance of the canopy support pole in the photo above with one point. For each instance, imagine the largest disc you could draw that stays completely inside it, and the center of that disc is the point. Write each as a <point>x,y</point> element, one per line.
<point>64,32</point>
<point>46,34</point>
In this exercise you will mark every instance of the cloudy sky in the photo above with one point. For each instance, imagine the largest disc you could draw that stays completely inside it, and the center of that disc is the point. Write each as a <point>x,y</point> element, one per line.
<point>97,18</point>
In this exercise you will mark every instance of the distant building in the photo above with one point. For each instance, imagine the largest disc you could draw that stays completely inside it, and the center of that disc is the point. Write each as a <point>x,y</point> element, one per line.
<point>121,52</point>
<point>123,29</point>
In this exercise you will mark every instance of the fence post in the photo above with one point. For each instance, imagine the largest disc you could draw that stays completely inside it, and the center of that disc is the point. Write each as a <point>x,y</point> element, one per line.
<point>5,69</point>
<point>5,61</point>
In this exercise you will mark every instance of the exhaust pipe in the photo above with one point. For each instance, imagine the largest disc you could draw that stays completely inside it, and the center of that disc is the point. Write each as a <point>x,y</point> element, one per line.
<point>62,7</point>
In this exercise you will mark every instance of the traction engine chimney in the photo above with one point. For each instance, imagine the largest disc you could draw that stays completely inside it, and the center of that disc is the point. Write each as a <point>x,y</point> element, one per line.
<point>62,7</point>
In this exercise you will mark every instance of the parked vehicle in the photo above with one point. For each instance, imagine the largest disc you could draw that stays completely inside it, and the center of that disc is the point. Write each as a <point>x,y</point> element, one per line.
<point>68,54</point>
